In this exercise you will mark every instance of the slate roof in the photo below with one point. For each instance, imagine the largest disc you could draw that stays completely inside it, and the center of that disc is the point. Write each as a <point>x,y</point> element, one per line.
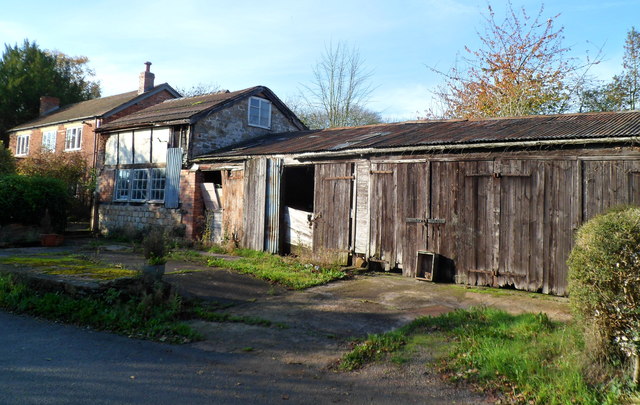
<point>424,134</point>
<point>188,110</point>
<point>97,107</point>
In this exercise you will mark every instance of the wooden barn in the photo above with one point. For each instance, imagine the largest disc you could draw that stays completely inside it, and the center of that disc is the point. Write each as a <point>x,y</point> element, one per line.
<point>481,202</point>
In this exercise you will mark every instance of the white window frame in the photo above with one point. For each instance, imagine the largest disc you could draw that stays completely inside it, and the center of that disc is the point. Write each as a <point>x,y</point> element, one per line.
<point>140,185</point>
<point>157,184</point>
<point>73,139</point>
<point>262,107</point>
<point>49,140</point>
<point>22,144</point>
<point>123,185</point>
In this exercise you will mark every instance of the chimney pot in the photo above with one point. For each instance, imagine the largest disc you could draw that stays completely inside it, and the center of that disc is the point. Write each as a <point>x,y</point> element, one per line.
<point>48,104</point>
<point>146,79</point>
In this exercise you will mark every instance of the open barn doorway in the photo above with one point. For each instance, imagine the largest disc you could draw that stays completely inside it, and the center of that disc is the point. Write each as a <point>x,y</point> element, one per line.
<point>297,202</point>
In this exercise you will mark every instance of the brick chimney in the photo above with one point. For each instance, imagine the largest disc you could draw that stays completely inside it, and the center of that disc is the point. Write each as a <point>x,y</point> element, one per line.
<point>48,104</point>
<point>146,79</point>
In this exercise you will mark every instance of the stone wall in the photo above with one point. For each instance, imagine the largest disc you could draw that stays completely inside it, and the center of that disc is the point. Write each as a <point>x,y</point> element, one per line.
<point>121,216</point>
<point>230,126</point>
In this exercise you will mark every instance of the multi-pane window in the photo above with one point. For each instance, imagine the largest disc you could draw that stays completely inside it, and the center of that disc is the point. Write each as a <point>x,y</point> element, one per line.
<point>140,185</point>
<point>22,145</point>
<point>73,139</point>
<point>259,112</point>
<point>49,140</point>
<point>123,184</point>
<point>158,181</point>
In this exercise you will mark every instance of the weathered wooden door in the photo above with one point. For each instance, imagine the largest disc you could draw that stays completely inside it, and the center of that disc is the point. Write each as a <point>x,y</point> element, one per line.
<point>332,209</point>
<point>399,211</point>
<point>478,227</point>
<point>413,213</point>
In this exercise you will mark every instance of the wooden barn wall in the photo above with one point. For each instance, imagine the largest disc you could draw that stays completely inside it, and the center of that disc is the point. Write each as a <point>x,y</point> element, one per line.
<point>232,211</point>
<point>254,203</point>
<point>332,209</point>
<point>503,221</point>
<point>399,196</point>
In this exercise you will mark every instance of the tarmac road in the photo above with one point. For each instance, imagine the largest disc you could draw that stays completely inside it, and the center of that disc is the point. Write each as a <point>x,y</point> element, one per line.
<point>48,363</point>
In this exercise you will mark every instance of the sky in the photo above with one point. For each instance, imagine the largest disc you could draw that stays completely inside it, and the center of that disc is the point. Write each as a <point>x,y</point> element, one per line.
<point>276,43</point>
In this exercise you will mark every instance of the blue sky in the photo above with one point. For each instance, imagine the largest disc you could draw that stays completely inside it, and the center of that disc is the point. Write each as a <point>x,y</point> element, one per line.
<point>276,43</point>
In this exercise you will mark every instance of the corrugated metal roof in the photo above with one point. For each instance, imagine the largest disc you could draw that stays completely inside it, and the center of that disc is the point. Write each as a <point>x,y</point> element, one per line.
<point>448,132</point>
<point>96,107</point>
<point>180,110</point>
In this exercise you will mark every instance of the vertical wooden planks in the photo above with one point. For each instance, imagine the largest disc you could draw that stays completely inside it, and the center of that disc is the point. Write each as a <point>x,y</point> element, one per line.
<point>382,242</point>
<point>332,209</point>
<point>232,210</point>
<point>412,202</point>
<point>254,203</point>
<point>361,230</point>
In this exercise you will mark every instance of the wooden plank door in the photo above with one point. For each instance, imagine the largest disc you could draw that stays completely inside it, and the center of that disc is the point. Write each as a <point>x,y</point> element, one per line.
<point>479,222</point>
<point>413,207</point>
<point>382,235</point>
<point>332,210</point>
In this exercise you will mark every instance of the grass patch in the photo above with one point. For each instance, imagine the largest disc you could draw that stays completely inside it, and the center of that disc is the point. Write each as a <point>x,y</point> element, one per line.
<point>150,316</point>
<point>71,265</point>
<point>527,357</point>
<point>286,271</point>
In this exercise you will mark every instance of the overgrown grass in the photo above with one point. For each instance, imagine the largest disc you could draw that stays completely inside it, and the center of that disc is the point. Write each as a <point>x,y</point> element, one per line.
<point>73,265</point>
<point>525,357</point>
<point>287,271</point>
<point>149,316</point>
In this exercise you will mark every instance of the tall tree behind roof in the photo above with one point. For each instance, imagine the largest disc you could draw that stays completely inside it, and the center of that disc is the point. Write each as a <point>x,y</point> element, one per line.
<point>339,91</point>
<point>521,68</point>
<point>28,72</point>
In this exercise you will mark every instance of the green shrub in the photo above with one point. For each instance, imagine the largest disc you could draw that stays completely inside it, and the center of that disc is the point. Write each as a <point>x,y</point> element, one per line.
<point>25,200</point>
<point>604,283</point>
<point>7,161</point>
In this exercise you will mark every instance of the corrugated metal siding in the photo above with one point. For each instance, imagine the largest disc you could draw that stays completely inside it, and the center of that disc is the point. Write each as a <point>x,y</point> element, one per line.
<point>172,185</point>
<point>272,221</point>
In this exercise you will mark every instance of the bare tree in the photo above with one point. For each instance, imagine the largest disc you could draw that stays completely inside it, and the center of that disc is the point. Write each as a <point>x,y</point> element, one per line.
<point>339,91</point>
<point>198,89</point>
<point>521,68</point>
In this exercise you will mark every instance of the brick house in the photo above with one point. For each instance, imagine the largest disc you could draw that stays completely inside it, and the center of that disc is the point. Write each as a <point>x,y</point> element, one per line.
<point>72,128</point>
<point>147,176</point>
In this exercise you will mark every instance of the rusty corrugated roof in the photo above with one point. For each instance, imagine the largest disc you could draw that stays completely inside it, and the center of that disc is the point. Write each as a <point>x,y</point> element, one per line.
<point>184,110</point>
<point>447,132</point>
<point>97,107</point>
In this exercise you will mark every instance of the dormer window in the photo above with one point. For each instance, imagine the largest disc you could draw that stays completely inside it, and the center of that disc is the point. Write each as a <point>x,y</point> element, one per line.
<point>259,112</point>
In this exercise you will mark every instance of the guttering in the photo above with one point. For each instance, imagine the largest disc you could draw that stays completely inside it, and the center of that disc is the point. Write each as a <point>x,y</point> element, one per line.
<point>431,148</point>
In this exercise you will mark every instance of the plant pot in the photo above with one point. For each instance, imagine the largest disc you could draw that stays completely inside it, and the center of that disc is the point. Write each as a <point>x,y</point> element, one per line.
<point>153,272</point>
<point>51,239</point>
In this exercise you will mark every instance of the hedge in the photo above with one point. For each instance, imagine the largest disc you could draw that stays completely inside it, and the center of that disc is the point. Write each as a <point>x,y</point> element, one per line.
<point>25,199</point>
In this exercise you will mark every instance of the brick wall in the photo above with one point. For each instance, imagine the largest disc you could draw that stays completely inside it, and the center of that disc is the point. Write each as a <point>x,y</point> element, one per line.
<point>191,203</point>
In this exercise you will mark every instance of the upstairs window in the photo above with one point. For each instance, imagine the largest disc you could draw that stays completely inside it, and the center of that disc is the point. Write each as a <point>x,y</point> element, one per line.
<point>73,139</point>
<point>259,112</point>
<point>49,140</point>
<point>22,145</point>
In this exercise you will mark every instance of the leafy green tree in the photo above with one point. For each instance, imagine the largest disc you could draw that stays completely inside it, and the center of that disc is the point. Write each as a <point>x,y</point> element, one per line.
<point>28,72</point>
<point>623,92</point>
<point>7,161</point>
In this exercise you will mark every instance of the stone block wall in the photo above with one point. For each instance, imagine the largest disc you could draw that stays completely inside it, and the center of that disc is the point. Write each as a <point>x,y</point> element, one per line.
<point>230,126</point>
<point>114,217</point>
